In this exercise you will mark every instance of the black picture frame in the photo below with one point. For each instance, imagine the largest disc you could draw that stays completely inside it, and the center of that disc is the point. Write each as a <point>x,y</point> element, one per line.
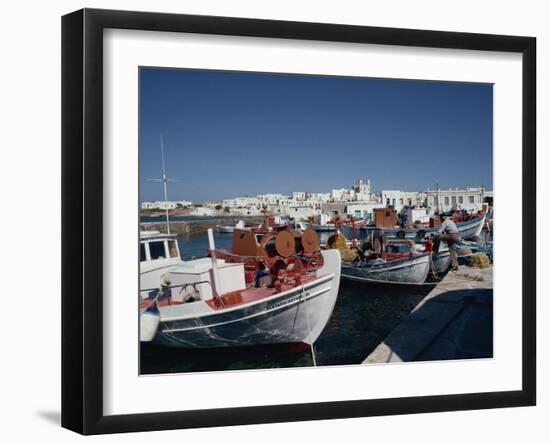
<point>82,218</point>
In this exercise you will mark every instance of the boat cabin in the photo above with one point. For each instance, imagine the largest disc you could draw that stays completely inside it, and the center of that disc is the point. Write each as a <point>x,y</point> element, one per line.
<point>385,217</point>
<point>156,246</point>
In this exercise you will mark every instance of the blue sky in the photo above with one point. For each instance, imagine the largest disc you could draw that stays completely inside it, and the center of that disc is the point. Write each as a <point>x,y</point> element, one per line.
<point>229,134</point>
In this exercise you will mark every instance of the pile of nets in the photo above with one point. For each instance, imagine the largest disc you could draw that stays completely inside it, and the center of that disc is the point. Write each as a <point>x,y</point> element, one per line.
<point>479,260</point>
<point>339,242</point>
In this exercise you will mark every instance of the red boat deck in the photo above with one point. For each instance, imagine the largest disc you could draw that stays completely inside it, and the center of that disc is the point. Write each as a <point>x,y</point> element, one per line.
<point>236,298</point>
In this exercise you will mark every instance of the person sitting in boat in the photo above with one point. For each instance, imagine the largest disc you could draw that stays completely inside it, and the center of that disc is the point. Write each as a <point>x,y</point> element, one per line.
<point>263,277</point>
<point>164,292</point>
<point>448,232</point>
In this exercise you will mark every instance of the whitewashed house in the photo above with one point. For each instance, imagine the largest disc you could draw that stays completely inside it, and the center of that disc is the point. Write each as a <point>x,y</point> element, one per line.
<point>470,199</point>
<point>363,209</point>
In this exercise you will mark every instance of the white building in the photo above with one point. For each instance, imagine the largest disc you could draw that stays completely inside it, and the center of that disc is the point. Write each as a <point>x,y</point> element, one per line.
<point>318,197</point>
<point>203,211</point>
<point>298,196</point>
<point>271,199</point>
<point>302,212</point>
<point>361,190</point>
<point>342,194</point>
<point>363,209</point>
<point>240,202</point>
<point>444,200</point>
<point>166,204</point>
<point>401,199</point>
<point>252,210</point>
<point>421,215</point>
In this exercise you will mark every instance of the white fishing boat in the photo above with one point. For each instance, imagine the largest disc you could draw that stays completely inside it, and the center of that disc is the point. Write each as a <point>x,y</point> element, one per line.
<point>411,270</point>
<point>213,303</point>
<point>228,229</point>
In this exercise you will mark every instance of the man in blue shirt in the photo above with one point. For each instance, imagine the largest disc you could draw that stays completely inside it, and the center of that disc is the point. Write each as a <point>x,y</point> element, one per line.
<point>448,232</point>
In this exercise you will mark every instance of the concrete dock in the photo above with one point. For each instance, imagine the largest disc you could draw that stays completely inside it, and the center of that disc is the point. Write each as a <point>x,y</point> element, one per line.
<point>454,321</point>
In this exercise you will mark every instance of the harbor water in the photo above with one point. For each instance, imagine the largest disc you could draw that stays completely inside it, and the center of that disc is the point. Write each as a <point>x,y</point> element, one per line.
<point>363,316</point>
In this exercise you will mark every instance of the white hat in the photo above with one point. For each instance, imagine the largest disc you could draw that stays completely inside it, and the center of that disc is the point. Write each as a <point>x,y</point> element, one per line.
<point>165,279</point>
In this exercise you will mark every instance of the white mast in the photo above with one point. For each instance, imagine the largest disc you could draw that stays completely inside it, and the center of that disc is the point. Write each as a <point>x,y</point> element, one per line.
<point>164,181</point>
<point>437,194</point>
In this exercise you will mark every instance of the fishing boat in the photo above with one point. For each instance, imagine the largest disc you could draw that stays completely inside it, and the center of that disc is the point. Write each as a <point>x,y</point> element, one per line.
<point>228,229</point>
<point>467,229</point>
<point>271,287</point>
<point>409,269</point>
<point>379,260</point>
<point>326,223</point>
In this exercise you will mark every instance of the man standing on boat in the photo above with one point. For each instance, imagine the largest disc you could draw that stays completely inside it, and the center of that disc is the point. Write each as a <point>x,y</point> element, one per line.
<point>448,232</point>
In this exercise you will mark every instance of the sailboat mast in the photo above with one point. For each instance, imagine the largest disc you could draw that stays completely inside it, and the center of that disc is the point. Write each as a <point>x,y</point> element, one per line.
<point>165,186</point>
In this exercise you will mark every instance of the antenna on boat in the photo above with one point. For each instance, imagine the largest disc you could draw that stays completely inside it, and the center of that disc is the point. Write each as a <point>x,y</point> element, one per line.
<point>437,194</point>
<point>164,181</point>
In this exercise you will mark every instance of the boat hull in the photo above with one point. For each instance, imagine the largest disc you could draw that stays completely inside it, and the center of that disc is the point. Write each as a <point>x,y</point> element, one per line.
<point>298,315</point>
<point>410,270</point>
<point>441,261</point>
<point>467,230</point>
<point>317,227</point>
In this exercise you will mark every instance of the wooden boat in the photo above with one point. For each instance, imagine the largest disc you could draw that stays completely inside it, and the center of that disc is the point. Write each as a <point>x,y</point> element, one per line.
<point>407,269</point>
<point>271,287</point>
<point>468,229</point>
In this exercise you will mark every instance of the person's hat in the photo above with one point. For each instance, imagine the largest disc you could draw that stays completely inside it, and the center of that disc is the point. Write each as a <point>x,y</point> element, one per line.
<point>165,280</point>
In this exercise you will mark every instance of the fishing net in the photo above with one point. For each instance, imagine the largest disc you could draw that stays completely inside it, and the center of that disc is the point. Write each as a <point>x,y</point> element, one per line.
<point>464,251</point>
<point>339,242</point>
<point>479,261</point>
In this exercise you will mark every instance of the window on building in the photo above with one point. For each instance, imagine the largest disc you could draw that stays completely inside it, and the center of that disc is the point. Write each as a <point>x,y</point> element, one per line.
<point>471,198</point>
<point>142,255</point>
<point>446,201</point>
<point>387,202</point>
<point>156,249</point>
<point>453,200</point>
<point>172,247</point>
<point>436,201</point>
<point>460,199</point>
<point>393,202</point>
